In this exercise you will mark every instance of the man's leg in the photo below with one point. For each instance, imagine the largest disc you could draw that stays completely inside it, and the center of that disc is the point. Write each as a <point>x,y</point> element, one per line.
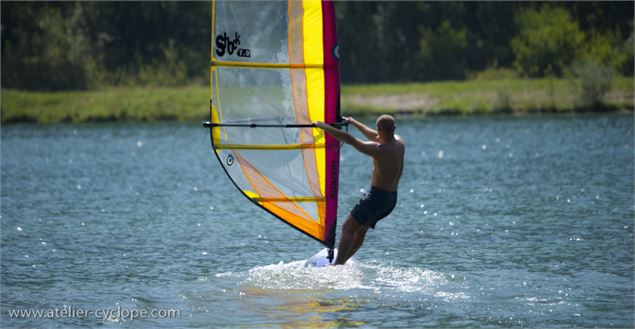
<point>358,240</point>
<point>346,241</point>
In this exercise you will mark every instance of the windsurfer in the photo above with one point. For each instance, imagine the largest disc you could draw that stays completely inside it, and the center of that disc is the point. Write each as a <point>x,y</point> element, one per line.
<point>387,151</point>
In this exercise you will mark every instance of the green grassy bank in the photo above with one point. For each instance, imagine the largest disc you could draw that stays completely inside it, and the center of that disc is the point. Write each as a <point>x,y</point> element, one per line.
<point>116,104</point>
<point>515,96</point>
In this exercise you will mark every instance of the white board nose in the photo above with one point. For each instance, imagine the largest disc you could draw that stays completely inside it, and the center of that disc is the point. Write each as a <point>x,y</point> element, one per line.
<point>320,259</point>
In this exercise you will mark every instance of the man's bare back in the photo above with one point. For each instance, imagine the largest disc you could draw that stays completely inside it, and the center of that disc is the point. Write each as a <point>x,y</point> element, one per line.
<point>387,151</point>
<point>388,164</point>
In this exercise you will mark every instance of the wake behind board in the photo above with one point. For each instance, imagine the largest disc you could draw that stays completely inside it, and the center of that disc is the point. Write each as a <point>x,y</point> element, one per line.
<point>321,259</point>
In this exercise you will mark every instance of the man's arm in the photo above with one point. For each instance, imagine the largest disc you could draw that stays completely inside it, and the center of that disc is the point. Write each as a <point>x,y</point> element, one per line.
<point>368,148</point>
<point>369,133</point>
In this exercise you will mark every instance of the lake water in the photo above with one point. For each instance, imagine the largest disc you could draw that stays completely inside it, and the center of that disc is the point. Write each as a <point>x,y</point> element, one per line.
<point>501,222</point>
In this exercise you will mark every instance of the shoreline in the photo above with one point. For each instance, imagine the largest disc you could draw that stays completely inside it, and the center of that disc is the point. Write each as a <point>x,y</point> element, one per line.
<point>359,115</point>
<point>515,97</point>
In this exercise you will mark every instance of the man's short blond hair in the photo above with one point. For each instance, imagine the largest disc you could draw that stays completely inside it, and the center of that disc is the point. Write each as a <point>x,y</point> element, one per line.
<point>386,123</point>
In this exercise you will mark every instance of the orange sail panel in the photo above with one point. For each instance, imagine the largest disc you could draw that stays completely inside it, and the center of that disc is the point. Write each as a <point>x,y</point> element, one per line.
<point>273,72</point>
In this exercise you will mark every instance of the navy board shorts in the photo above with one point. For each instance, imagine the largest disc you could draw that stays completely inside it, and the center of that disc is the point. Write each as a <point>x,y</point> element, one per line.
<point>374,206</point>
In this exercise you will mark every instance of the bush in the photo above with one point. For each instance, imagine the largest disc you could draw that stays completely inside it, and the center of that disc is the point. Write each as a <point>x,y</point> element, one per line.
<point>502,102</point>
<point>495,74</point>
<point>595,80</point>
<point>609,49</point>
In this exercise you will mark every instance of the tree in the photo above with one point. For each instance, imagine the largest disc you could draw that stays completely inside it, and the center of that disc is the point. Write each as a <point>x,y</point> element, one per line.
<point>42,48</point>
<point>441,53</point>
<point>548,41</point>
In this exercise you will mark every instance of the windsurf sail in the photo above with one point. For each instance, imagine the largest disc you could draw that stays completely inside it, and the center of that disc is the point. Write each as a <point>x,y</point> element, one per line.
<point>273,72</point>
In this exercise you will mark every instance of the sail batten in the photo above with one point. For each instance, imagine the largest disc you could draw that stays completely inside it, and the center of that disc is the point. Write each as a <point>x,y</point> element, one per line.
<point>273,66</point>
<point>267,65</point>
<point>290,199</point>
<point>268,147</point>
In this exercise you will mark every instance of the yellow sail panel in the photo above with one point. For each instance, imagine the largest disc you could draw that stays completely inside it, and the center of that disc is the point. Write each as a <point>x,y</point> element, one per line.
<point>268,85</point>
<point>313,40</point>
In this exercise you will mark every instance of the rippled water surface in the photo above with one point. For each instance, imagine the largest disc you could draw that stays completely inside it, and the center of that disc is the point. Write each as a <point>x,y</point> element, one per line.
<point>501,222</point>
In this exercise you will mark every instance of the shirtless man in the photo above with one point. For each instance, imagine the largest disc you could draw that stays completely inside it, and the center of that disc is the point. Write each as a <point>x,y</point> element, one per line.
<point>387,151</point>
